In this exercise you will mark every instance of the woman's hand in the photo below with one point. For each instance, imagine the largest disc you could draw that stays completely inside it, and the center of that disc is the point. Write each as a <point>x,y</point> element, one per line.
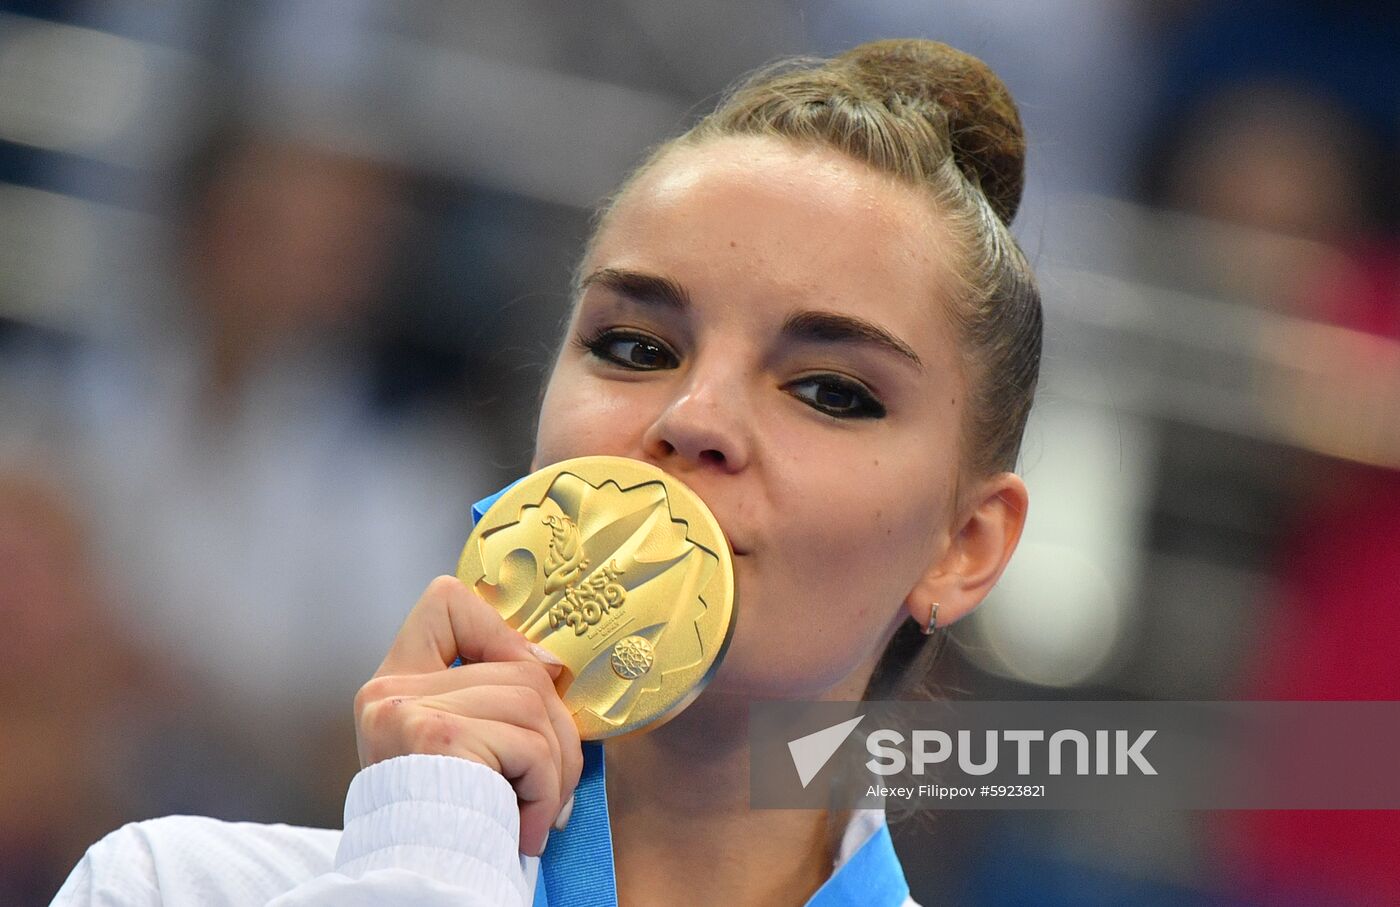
<point>500,708</point>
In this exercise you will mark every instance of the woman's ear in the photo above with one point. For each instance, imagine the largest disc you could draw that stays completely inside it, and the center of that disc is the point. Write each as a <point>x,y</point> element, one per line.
<point>980,547</point>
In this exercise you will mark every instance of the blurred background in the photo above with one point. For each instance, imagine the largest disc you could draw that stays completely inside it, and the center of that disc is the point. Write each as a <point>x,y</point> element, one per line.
<point>279,282</point>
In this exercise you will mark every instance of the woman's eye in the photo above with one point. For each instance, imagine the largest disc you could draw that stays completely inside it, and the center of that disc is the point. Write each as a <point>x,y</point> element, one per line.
<point>838,397</point>
<point>634,351</point>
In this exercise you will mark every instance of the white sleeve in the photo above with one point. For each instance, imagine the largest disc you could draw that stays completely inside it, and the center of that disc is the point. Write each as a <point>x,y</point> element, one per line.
<point>419,830</point>
<point>97,880</point>
<point>425,830</point>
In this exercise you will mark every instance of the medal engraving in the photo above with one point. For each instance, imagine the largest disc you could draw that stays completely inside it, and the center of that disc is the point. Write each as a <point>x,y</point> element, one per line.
<point>631,657</point>
<point>583,606</point>
<point>565,560</point>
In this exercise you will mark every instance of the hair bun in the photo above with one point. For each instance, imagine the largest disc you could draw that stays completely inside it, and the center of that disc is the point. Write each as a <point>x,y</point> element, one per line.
<point>984,127</point>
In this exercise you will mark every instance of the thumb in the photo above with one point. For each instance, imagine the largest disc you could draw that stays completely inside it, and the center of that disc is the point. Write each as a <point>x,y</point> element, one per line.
<point>551,662</point>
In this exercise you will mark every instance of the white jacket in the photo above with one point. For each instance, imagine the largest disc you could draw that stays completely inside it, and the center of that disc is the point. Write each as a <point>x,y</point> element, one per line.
<point>419,830</point>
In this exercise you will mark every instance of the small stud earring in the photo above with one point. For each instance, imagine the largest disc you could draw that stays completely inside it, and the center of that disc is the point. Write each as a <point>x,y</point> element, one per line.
<point>932,624</point>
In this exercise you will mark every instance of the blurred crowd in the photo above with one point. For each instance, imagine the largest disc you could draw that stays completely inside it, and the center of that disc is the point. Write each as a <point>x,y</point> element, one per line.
<point>279,283</point>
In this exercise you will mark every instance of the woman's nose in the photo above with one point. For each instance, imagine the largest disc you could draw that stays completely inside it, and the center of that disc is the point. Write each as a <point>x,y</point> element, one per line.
<point>703,425</point>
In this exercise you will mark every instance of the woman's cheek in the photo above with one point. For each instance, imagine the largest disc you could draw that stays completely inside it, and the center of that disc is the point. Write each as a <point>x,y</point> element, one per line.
<point>590,417</point>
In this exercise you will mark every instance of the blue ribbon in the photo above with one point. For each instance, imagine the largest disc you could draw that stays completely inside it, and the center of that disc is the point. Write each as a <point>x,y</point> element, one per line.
<point>578,862</point>
<point>577,865</point>
<point>576,869</point>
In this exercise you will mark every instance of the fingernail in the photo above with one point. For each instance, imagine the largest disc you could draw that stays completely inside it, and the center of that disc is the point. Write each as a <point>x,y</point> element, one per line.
<point>563,817</point>
<point>544,654</point>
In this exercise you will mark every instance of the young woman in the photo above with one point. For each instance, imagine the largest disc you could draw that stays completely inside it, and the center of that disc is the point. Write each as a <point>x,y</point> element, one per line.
<point>808,308</point>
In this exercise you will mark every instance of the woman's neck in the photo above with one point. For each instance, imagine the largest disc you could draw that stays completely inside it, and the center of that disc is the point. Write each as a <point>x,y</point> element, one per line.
<point>683,832</point>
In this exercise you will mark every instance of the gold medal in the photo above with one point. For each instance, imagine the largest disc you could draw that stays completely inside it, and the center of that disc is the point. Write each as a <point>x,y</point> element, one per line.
<point>622,572</point>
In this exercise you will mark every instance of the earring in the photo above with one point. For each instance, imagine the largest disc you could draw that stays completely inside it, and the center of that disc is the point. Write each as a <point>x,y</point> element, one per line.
<point>932,624</point>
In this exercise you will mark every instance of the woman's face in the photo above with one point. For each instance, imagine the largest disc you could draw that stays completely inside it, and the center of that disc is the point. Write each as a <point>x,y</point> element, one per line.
<point>765,323</point>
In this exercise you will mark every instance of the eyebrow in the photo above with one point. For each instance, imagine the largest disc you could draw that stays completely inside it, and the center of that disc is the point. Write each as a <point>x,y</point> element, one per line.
<point>638,286</point>
<point>834,327</point>
<point>809,326</point>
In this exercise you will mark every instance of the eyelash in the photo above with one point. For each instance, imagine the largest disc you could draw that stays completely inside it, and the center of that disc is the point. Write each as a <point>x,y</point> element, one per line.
<point>865,406</point>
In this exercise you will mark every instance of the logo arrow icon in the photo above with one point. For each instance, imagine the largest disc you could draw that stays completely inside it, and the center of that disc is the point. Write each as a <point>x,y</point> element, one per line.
<point>811,752</point>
